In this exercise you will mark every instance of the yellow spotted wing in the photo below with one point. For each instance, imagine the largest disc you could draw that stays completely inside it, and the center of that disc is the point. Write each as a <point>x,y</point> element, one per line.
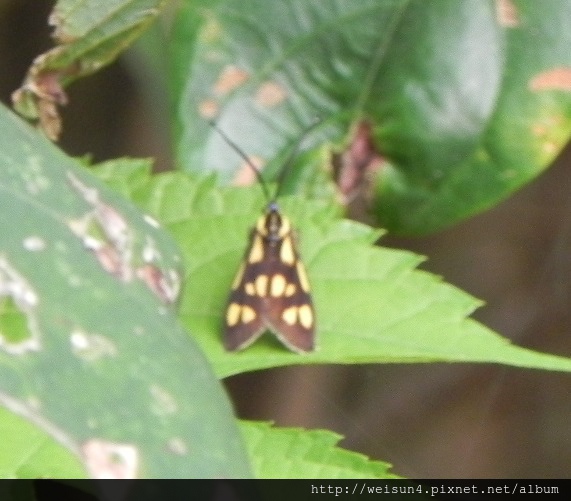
<point>271,290</point>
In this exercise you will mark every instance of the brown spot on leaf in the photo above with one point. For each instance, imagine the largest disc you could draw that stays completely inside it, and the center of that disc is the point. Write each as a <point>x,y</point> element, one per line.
<point>110,460</point>
<point>41,93</point>
<point>539,130</point>
<point>270,94</point>
<point>49,119</point>
<point>104,231</point>
<point>507,14</point>
<point>208,108</point>
<point>555,79</point>
<point>245,176</point>
<point>48,87</point>
<point>550,147</point>
<point>230,78</point>
<point>39,98</point>
<point>354,167</point>
<point>109,259</point>
<point>166,286</point>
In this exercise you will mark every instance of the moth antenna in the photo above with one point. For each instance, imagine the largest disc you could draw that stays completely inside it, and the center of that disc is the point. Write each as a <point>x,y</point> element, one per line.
<point>294,150</point>
<point>240,152</point>
<point>287,164</point>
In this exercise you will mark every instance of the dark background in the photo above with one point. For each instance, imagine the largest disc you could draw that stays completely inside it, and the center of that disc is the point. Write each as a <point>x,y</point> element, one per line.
<point>453,420</point>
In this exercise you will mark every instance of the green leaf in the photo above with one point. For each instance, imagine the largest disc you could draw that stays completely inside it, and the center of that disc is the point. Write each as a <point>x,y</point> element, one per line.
<point>468,101</point>
<point>90,34</point>
<point>90,348</point>
<point>372,305</point>
<point>298,453</point>
<point>28,452</point>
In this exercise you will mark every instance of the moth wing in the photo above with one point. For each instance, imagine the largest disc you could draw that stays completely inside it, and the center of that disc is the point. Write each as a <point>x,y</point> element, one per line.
<point>243,322</point>
<point>290,315</point>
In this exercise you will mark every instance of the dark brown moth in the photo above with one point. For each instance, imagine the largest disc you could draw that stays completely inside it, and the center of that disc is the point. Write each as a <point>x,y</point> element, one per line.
<point>271,290</point>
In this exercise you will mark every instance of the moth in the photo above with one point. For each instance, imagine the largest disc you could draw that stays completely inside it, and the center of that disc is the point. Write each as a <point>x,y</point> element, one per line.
<point>271,290</point>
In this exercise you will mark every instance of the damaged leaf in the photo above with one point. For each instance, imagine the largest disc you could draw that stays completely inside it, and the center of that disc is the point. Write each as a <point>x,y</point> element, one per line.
<point>91,350</point>
<point>88,35</point>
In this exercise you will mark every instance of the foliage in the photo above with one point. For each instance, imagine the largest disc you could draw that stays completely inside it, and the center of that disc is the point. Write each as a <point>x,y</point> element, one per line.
<point>97,348</point>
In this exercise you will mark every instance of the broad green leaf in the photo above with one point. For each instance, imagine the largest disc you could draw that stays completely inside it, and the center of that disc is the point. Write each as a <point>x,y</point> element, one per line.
<point>90,348</point>
<point>89,35</point>
<point>468,100</point>
<point>28,452</point>
<point>297,453</point>
<point>372,305</point>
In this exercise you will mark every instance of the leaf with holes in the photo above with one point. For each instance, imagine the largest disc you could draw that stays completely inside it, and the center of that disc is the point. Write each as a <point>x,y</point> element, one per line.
<point>90,348</point>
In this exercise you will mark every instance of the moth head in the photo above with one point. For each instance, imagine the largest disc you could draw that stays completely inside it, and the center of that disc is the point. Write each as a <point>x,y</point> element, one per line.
<point>273,225</point>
